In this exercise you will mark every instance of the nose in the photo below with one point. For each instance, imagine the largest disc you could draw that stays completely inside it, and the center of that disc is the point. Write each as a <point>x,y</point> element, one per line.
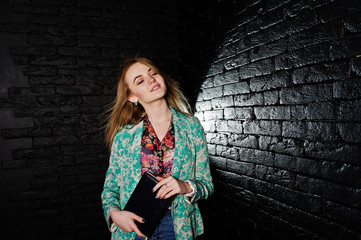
<point>151,80</point>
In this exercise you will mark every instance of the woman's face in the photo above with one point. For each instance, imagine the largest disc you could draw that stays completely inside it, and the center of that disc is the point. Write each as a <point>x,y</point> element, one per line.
<point>145,84</point>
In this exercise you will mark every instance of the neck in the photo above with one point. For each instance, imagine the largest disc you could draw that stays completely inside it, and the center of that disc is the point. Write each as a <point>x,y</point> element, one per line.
<point>158,112</point>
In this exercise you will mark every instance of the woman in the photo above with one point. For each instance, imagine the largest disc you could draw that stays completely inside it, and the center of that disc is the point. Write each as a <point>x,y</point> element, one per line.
<point>150,129</point>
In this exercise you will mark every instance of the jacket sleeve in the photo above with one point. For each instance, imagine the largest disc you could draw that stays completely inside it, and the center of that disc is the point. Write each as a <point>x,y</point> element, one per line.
<point>110,194</point>
<point>203,180</point>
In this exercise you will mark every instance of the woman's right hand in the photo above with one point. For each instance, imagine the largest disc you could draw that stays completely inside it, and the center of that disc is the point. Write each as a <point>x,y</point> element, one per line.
<point>125,221</point>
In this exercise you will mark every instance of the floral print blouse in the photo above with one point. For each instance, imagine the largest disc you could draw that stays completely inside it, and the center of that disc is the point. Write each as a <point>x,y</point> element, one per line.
<point>156,156</point>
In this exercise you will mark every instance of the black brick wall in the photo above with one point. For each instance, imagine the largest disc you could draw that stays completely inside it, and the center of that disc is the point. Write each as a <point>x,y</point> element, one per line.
<point>278,91</point>
<point>59,61</point>
<point>276,85</point>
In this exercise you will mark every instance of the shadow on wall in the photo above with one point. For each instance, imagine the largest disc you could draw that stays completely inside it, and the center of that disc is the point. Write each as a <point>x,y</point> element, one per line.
<point>11,76</point>
<point>202,32</point>
<point>59,62</point>
<point>278,91</point>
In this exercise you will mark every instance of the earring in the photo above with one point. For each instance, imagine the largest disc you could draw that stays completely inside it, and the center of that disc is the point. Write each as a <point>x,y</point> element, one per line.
<point>135,103</point>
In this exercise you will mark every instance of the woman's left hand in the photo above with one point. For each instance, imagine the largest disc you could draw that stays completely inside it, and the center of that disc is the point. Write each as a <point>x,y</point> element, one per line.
<point>170,186</point>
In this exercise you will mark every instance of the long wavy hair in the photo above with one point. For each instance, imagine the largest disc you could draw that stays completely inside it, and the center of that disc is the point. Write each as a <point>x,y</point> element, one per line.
<point>122,112</point>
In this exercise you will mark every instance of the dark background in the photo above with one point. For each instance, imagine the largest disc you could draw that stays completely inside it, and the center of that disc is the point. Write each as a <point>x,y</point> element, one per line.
<point>275,83</point>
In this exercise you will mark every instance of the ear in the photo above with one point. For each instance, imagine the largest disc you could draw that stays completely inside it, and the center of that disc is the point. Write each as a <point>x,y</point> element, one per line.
<point>132,98</point>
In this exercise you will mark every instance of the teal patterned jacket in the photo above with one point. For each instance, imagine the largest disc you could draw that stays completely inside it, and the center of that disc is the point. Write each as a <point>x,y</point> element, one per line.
<point>191,163</point>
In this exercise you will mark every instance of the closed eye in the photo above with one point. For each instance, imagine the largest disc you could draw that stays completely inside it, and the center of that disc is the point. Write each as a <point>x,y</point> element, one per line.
<point>152,73</point>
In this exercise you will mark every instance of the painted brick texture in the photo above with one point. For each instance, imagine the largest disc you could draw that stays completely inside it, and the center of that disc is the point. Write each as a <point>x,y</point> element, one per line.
<point>276,85</point>
<point>59,63</point>
<point>280,102</point>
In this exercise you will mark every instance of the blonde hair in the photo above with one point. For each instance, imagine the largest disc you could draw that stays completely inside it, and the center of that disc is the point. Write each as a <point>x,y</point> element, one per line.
<point>123,112</point>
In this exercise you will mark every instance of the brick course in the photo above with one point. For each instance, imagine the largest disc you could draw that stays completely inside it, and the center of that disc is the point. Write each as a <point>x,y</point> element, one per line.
<point>276,85</point>
<point>283,131</point>
<point>71,51</point>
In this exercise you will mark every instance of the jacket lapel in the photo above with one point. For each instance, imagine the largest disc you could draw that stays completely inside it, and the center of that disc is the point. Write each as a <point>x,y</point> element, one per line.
<point>180,143</point>
<point>132,162</point>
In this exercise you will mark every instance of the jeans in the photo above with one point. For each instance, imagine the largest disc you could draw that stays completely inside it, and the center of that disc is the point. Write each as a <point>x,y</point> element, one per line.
<point>164,231</point>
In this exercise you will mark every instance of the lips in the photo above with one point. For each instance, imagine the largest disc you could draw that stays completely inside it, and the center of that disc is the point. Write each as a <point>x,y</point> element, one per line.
<point>156,87</point>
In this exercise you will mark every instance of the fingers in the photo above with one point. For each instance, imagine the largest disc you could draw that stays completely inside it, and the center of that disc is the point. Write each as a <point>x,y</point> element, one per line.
<point>162,186</point>
<point>161,182</point>
<point>163,191</point>
<point>138,218</point>
<point>167,187</point>
<point>125,222</point>
<point>134,227</point>
<point>169,194</point>
<point>136,230</point>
